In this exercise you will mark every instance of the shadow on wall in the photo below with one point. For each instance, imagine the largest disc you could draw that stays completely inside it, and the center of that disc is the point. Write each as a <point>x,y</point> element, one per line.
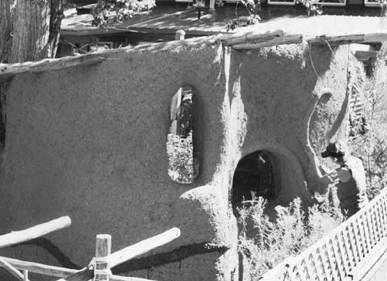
<point>278,87</point>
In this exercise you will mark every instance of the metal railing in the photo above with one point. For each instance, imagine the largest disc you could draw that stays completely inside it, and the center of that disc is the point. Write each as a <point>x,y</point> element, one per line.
<point>340,254</point>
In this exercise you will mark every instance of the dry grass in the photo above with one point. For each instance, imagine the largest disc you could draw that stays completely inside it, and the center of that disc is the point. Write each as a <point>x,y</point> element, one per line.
<point>264,243</point>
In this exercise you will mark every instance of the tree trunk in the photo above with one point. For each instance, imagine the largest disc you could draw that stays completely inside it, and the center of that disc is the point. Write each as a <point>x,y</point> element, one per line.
<point>5,30</point>
<point>35,32</point>
<point>29,31</point>
<point>31,23</point>
<point>56,17</point>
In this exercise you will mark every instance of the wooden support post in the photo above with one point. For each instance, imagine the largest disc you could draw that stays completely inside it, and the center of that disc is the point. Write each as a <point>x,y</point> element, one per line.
<point>103,249</point>
<point>180,34</point>
<point>212,5</point>
<point>25,274</point>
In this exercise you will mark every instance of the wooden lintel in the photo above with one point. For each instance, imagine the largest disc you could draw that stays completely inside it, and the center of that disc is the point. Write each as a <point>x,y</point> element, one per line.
<point>49,64</point>
<point>351,38</point>
<point>289,39</point>
<point>230,40</point>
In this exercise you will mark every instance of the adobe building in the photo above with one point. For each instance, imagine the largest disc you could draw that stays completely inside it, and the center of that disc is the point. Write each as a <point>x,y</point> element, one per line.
<point>86,136</point>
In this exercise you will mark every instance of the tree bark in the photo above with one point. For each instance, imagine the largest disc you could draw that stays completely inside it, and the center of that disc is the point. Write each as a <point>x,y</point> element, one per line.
<point>31,24</point>
<point>31,31</point>
<point>5,29</point>
<point>56,17</point>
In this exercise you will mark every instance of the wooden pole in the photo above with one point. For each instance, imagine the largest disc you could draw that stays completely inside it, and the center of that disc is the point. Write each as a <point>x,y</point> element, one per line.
<point>25,275</point>
<point>60,272</point>
<point>13,271</point>
<point>103,248</point>
<point>36,231</point>
<point>143,247</point>
<point>288,39</point>
<point>180,34</point>
<point>50,64</point>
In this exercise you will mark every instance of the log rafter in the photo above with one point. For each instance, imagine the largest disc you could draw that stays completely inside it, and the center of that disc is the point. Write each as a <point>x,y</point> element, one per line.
<point>245,41</point>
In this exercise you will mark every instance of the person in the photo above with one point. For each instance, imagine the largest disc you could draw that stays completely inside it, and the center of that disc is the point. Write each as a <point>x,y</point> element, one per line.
<point>351,181</point>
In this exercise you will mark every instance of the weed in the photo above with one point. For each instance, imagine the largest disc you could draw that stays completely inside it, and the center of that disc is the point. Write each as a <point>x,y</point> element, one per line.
<point>264,243</point>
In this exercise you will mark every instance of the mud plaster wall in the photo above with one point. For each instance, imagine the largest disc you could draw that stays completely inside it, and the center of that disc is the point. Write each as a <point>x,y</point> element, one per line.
<point>90,142</point>
<point>279,88</point>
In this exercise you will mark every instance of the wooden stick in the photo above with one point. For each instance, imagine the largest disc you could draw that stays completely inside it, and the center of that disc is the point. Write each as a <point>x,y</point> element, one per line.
<point>288,39</point>
<point>13,271</point>
<point>102,250</point>
<point>50,64</point>
<point>25,275</point>
<point>249,37</point>
<point>39,268</point>
<point>368,38</point>
<point>143,247</point>
<point>39,230</point>
<point>56,271</point>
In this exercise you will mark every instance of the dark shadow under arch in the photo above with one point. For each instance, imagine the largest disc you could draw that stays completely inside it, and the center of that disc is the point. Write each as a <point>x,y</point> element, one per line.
<point>255,175</point>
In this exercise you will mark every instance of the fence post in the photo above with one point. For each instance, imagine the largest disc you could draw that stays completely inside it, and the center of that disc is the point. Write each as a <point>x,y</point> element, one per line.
<point>103,249</point>
<point>180,34</point>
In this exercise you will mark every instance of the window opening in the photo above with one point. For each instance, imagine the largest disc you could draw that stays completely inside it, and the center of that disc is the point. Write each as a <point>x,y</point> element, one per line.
<point>183,165</point>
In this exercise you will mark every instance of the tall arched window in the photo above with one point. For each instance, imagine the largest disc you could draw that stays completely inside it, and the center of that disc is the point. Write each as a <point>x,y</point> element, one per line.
<point>183,165</point>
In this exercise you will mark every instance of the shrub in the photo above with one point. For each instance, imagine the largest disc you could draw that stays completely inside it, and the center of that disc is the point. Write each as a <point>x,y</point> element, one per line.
<point>182,163</point>
<point>371,147</point>
<point>264,243</point>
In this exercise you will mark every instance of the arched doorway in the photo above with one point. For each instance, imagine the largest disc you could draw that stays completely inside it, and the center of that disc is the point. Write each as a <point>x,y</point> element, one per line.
<point>255,175</point>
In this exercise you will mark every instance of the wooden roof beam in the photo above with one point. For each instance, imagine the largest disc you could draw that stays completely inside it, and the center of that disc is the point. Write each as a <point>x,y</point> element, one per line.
<point>9,70</point>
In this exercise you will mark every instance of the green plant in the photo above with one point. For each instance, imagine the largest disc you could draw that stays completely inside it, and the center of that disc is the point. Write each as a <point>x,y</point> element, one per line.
<point>113,11</point>
<point>253,7</point>
<point>182,163</point>
<point>312,7</point>
<point>264,243</point>
<point>371,147</point>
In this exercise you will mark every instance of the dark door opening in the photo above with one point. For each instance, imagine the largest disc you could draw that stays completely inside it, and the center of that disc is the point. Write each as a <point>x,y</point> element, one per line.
<point>254,174</point>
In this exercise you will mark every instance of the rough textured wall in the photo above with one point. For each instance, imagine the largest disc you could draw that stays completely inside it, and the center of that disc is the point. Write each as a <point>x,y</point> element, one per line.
<point>279,88</point>
<point>90,142</point>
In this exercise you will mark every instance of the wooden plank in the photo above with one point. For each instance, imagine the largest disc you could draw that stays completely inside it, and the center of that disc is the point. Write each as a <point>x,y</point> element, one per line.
<point>56,271</point>
<point>369,228</point>
<point>350,248</point>
<point>143,247</point>
<point>350,38</point>
<point>12,270</point>
<point>337,259</point>
<point>39,268</point>
<point>102,250</point>
<point>36,231</point>
<point>289,39</point>
<point>49,64</point>
<point>322,39</point>
<point>371,259</point>
<point>248,37</point>
<point>86,274</point>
